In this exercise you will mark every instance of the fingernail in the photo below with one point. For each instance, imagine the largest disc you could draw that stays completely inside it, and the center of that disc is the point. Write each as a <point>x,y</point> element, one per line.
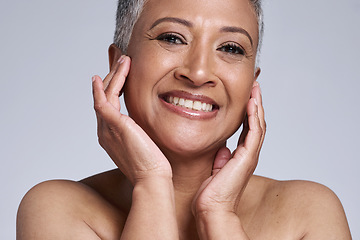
<point>93,78</point>
<point>121,59</point>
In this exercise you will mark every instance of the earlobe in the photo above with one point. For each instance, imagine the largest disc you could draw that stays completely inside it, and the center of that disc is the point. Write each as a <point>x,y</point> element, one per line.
<point>114,55</point>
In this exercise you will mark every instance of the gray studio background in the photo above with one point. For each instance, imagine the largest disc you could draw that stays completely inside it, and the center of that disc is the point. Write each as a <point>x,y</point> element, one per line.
<point>50,49</point>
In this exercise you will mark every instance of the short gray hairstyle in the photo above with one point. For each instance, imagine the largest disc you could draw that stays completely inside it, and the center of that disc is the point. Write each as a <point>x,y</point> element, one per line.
<point>128,12</point>
<point>257,5</point>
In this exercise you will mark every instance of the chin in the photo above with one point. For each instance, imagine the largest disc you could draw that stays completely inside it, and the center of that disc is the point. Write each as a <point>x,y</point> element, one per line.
<point>187,143</point>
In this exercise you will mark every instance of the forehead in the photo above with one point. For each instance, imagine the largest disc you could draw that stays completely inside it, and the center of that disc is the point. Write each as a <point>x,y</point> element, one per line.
<point>214,13</point>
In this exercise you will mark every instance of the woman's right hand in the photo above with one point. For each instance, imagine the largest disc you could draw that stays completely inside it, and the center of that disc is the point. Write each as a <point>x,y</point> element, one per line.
<point>131,149</point>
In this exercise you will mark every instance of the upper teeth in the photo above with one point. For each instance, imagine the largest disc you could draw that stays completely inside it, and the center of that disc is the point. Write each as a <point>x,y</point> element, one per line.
<point>194,105</point>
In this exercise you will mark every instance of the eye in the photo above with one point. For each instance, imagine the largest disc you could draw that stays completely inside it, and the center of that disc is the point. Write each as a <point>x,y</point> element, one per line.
<point>232,48</point>
<point>171,38</point>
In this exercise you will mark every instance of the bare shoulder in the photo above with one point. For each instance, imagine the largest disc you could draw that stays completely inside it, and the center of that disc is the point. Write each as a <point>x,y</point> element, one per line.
<point>309,206</point>
<point>62,209</point>
<point>113,186</point>
<point>322,213</point>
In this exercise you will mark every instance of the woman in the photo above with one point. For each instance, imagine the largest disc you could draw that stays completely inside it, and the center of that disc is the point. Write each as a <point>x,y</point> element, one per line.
<point>189,82</point>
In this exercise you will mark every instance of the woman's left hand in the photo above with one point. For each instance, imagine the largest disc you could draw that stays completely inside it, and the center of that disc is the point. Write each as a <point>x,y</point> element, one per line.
<point>219,195</point>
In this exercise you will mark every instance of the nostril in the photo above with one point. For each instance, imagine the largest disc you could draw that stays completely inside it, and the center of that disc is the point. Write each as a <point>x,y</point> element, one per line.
<point>195,77</point>
<point>185,77</point>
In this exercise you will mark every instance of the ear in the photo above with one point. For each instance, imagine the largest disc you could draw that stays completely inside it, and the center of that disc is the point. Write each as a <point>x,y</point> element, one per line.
<point>257,73</point>
<point>114,55</point>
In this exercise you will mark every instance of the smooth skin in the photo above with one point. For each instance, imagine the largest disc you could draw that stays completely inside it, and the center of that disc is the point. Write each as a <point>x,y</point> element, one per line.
<point>176,179</point>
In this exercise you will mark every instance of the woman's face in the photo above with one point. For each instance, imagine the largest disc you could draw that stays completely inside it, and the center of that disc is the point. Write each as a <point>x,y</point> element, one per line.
<point>192,71</point>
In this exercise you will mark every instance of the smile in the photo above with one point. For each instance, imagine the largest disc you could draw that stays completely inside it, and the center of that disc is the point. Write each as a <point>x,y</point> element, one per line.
<point>190,104</point>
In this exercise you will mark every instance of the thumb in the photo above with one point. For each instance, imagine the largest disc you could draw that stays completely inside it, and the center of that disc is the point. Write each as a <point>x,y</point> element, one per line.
<point>222,157</point>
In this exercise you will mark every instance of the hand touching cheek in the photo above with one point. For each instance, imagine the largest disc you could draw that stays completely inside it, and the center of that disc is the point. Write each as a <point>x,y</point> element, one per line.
<point>127,144</point>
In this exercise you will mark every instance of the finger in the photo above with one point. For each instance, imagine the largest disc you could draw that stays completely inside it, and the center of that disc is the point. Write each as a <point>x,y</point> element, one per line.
<point>231,174</point>
<point>99,98</point>
<point>104,110</point>
<point>244,131</point>
<point>98,92</point>
<point>256,93</point>
<point>222,157</point>
<point>111,74</point>
<point>117,82</point>
<point>252,141</point>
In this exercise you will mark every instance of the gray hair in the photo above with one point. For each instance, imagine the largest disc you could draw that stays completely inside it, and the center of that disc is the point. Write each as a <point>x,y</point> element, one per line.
<point>260,21</point>
<point>128,12</point>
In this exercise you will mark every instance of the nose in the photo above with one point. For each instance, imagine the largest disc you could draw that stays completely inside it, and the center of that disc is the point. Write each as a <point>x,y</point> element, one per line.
<point>197,67</point>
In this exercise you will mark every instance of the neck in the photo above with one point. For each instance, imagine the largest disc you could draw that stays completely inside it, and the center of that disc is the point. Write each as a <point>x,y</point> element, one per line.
<point>189,172</point>
<point>186,182</point>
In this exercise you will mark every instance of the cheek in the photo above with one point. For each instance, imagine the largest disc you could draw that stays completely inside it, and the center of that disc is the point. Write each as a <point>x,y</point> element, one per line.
<point>152,63</point>
<point>136,89</point>
<point>142,70</point>
<point>239,84</point>
<point>149,67</point>
<point>238,87</point>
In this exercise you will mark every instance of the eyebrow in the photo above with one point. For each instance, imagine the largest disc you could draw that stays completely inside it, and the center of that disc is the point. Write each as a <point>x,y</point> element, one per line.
<point>237,30</point>
<point>172,19</point>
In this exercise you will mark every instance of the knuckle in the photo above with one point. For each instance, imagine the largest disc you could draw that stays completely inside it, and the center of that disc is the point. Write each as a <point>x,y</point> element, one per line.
<point>101,108</point>
<point>98,107</point>
<point>258,130</point>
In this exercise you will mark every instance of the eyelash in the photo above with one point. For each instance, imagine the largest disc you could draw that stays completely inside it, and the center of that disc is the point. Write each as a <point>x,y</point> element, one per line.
<point>232,48</point>
<point>170,38</point>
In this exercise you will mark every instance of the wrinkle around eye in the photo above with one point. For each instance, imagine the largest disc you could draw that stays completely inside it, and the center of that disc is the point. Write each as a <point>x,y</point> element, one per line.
<point>171,38</point>
<point>231,57</point>
<point>170,41</point>
<point>232,48</point>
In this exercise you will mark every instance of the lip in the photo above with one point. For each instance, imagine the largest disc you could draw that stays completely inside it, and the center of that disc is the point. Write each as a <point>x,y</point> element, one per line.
<point>189,113</point>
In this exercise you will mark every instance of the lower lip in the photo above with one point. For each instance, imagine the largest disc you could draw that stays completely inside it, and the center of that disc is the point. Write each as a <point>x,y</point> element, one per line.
<point>189,113</point>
